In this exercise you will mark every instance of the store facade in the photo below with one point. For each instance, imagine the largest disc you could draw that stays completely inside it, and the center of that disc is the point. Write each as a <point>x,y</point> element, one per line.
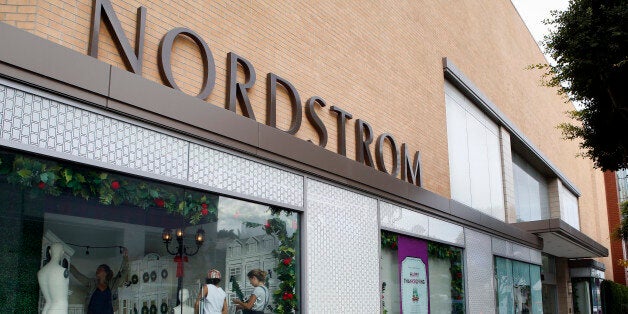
<point>348,206</point>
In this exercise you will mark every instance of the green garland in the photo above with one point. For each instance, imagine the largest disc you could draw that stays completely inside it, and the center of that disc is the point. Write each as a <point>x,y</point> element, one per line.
<point>285,296</point>
<point>454,255</point>
<point>52,178</point>
<point>389,240</point>
<point>235,287</point>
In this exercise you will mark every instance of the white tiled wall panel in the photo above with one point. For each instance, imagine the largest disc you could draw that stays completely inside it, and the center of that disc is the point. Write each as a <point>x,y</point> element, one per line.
<point>535,257</point>
<point>446,231</point>
<point>50,123</point>
<point>520,252</point>
<point>225,171</point>
<point>419,225</point>
<point>53,125</point>
<point>342,251</point>
<point>502,247</point>
<point>402,219</point>
<point>479,260</point>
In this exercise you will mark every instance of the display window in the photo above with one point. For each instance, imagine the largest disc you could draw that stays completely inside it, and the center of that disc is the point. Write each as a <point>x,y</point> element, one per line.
<point>519,288</point>
<point>420,276</point>
<point>79,239</point>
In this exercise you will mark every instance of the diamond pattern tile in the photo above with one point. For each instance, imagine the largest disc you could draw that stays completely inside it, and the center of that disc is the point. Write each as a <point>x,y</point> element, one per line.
<point>480,290</point>
<point>342,251</point>
<point>228,172</point>
<point>52,125</point>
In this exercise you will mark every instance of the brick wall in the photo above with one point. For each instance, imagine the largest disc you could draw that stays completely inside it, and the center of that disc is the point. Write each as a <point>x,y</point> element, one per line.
<point>614,221</point>
<point>378,60</point>
<point>19,13</point>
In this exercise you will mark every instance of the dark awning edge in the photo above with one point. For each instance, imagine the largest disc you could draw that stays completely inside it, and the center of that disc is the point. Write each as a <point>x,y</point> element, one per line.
<point>560,231</point>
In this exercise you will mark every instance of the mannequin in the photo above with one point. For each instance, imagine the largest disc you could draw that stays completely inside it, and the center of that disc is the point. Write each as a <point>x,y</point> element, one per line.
<point>54,282</point>
<point>183,308</point>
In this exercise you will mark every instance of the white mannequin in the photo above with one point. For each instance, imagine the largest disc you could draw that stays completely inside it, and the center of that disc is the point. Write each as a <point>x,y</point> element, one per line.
<point>184,295</point>
<point>54,282</point>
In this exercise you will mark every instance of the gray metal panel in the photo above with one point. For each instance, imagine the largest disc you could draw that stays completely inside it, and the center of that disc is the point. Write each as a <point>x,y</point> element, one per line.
<point>480,288</point>
<point>342,245</point>
<point>27,51</point>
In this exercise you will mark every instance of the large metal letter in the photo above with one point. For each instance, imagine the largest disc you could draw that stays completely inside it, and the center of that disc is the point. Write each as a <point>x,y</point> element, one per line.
<point>343,116</point>
<point>379,154</point>
<point>316,121</point>
<point>134,61</point>
<point>165,55</point>
<point>411,172</point>
<point>295,101</point>
<point>362,150</point>
<point>237,92</point>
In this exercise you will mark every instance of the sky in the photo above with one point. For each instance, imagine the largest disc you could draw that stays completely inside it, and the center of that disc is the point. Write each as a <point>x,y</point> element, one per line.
<point>533,12</point>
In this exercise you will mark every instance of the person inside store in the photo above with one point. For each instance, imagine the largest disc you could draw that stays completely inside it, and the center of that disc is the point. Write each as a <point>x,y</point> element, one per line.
<point>102,290</point>
<point>259,297</point>
<point>212,299</point>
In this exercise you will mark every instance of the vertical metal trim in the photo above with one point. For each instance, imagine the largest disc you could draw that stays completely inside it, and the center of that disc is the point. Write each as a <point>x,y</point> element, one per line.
<point>304,274</point>
<point>379,253</point>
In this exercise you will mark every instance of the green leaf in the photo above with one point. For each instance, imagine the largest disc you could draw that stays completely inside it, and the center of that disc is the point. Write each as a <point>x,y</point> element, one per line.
<point>80,178</point>
<point>44,177</point>
<point>103,175</point>
<point>25,173</point>
<point>67,174</point>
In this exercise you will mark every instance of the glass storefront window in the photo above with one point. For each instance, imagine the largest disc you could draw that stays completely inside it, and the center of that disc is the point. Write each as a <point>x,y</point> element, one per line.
<point>519,288</point>
<point>69,225</point>
<point>586,295</point>
<point>411,267</point>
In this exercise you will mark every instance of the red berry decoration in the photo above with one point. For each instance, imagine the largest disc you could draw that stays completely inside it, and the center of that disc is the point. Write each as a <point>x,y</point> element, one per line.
<point>459,275</point>
<point>204,206</point>
<point>41,185</point>
<point>285,295</point>
<point>267,225</point>
<point>115,185</point>
<point>204,211</point>
<point>287,261</point>
<point>160,202</point>
<point>290,296</point>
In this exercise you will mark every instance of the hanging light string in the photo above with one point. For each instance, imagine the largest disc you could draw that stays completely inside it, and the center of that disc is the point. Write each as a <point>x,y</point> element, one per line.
<point>87,247</point>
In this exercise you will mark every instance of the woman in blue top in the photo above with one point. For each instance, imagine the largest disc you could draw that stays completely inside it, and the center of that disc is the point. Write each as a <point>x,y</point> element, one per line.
<point>259,298</point>
<point>102,290</point>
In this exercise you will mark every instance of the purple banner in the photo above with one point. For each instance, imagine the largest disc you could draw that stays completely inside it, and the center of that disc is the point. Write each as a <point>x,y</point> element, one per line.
<point>411,247</point>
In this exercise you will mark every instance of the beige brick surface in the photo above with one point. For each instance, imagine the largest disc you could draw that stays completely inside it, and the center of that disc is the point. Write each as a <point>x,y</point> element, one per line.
<point>378,60</point>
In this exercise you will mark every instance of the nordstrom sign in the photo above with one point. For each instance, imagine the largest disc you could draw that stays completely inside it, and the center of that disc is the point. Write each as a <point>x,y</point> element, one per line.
<point>237,95</point>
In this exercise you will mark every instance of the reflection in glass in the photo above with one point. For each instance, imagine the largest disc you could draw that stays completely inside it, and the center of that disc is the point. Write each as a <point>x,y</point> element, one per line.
<point>518,287</point>
<point>445,274</point>
<point>125,229</point>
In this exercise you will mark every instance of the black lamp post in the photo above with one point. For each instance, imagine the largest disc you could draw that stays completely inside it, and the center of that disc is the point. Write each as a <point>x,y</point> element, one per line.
<point>181,253</point>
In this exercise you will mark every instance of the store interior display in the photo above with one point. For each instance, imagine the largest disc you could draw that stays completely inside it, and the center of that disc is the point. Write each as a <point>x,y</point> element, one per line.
<point>103,218</point>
